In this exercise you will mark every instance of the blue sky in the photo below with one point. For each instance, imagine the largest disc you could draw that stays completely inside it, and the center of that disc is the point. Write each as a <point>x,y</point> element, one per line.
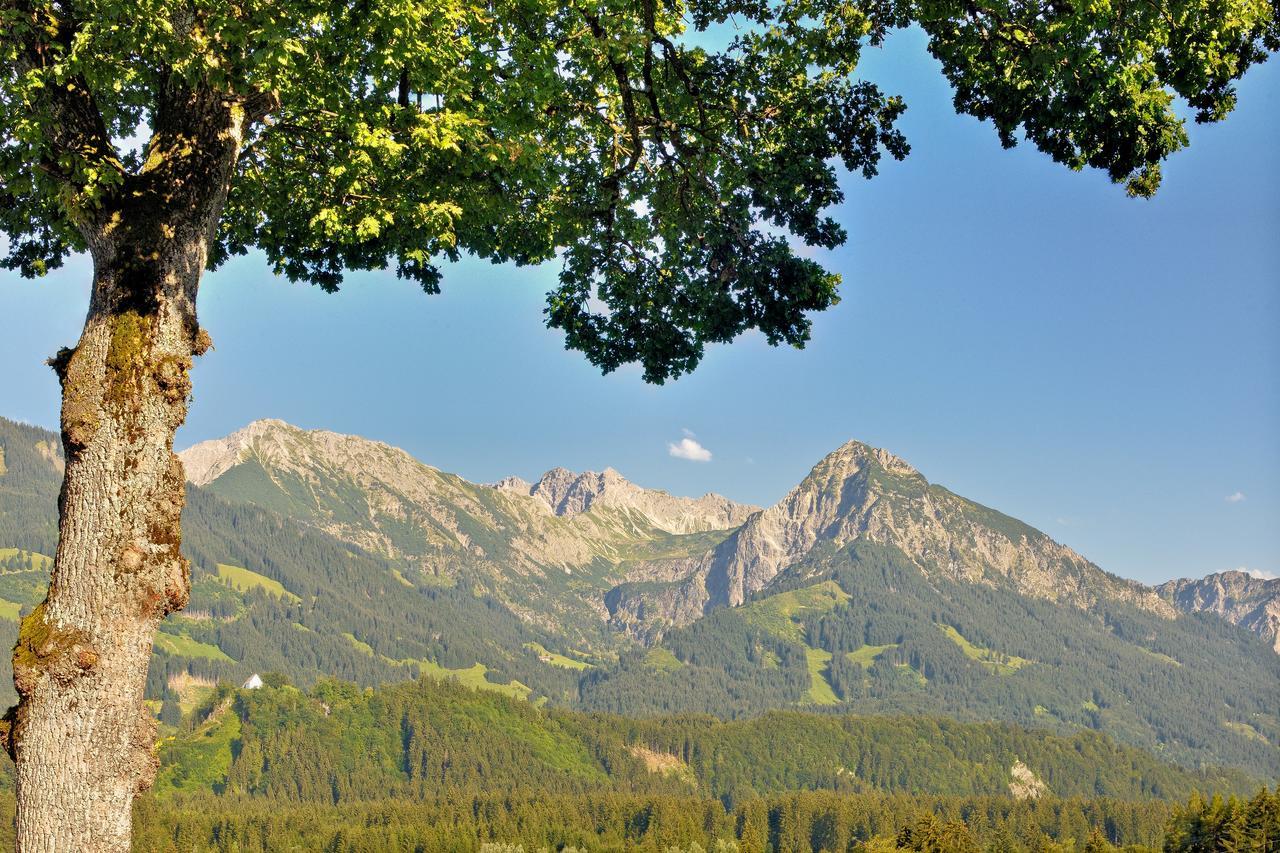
<point>1103,368</point>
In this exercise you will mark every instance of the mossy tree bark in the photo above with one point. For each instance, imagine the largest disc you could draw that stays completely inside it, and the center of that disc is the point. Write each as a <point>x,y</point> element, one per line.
<point>83,741</point>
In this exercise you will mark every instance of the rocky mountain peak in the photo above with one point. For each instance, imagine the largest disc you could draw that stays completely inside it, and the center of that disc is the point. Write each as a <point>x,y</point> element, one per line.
<point>209,460</point>
<point>283,446</point>
<point>832,503</point>
<point>860,492</point>
<point>567,493</point>
<point>513,484</point>
<point>854,455</point>
<point>1239,597</point>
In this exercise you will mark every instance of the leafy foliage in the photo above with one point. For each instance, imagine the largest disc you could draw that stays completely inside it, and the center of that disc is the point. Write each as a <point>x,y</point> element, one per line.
<point>1093,83</point>
<point>674,180</point>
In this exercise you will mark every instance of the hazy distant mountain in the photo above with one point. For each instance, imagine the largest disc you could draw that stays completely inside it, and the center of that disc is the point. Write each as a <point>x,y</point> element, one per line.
<point>368,492</point>
<point>567,493</point>
<point>1238,597</point>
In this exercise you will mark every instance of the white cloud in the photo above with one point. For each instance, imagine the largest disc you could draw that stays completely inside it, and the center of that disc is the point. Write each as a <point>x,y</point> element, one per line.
<point>1260,574</point>
<point>1235,498</point>
<point>688,448</point>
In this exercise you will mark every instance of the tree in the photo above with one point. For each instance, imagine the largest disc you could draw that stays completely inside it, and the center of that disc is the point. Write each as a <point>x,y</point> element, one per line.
<point>1097,842</point>
<point>170,710</point>
<point>673,180</point>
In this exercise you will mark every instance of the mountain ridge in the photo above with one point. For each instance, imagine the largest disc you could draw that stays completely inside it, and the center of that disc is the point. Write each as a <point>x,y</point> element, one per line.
<point>564,492</point>
<point>567,493</point>
<point>1236,596</point>
<point>861,492</point>
<point>855,492</point>
<point>760,542</point>
<point>549,551</point>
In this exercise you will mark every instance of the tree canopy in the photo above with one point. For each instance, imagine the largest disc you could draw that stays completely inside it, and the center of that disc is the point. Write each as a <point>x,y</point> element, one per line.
<point>674,181</point>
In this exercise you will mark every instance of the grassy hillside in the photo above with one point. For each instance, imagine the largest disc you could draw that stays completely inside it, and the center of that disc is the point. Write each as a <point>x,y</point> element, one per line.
<point>243,580</point>
<point>864,630</point>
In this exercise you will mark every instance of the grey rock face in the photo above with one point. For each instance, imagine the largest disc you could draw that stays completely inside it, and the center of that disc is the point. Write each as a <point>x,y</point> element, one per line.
<point>863,492</point>
<point>568,494</point>
<point>1238,597</point>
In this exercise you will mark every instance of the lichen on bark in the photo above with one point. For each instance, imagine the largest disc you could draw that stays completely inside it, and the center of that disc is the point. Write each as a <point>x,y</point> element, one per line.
<point>128,360</point>
<point>81,402</point>
<point>44,649</point>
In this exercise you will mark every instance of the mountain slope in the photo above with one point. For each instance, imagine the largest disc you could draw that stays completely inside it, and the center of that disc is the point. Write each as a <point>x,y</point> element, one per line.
<point>862,628</point>
<point>30,471</point>
<point>548,550</point>
<point>861,493</point>
<point>1238,597</point>
<point>273,593</point>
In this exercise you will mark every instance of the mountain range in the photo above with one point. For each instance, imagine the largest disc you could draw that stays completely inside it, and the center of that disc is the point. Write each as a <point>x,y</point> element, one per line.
<point>866,589</point>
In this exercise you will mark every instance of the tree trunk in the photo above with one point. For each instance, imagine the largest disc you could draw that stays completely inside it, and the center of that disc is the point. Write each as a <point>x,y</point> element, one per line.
<point>83,742</point>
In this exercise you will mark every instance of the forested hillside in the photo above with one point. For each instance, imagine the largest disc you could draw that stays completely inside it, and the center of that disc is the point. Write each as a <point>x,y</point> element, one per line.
<point>339,743</point>
<point>862,629</point>
<point>437,766</point>
<point>781,823</point>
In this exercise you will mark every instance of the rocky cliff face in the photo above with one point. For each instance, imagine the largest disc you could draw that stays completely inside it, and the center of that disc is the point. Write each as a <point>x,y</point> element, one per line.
<point>862,492</point>
<point>1238,597</point>
<point>568,494</point>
